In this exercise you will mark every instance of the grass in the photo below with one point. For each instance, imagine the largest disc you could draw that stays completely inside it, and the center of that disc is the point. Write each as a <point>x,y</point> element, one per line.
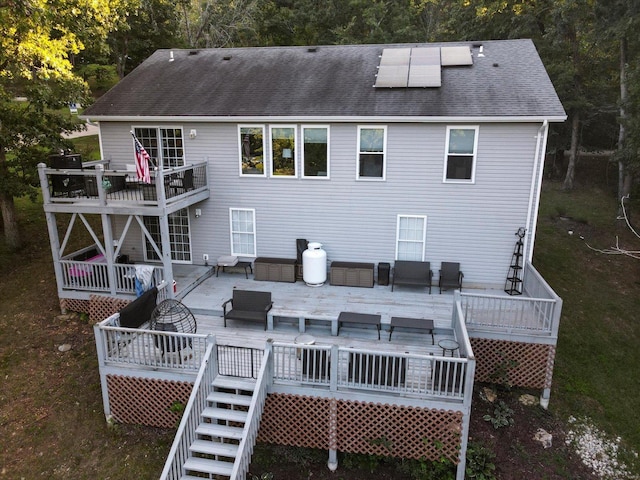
<point>51,415</point>
<point>597,370</point>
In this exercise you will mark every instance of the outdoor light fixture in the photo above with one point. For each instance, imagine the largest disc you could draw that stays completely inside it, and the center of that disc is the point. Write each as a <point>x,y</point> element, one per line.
<point>193,133</point>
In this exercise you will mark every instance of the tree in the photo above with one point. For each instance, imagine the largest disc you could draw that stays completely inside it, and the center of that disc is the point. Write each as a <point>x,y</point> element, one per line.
<point>37,41</point>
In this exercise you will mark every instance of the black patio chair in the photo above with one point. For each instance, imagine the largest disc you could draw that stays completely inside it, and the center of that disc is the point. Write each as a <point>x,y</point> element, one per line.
<point>450,276</point>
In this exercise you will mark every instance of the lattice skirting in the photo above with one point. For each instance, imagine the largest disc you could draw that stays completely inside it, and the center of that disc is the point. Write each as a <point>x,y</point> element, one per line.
<point>146,401</point>
<point>528,365</point>
<point>361,427</point>
<point>98,307</point>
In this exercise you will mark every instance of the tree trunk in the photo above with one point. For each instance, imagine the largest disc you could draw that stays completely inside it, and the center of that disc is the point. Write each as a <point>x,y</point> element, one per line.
<point>573,153</point>
<point>11,232</point>
<point>625,179</point>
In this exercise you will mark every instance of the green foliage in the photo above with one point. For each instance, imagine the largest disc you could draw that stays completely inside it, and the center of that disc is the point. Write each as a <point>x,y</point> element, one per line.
<point>264,476</point>
<point>502,416</point>
<point>501,374</point>
<point>442,469</point>
<point>479,464</point>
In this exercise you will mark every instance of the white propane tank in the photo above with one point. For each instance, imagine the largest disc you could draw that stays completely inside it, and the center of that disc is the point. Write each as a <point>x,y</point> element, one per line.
<point>314,265</point>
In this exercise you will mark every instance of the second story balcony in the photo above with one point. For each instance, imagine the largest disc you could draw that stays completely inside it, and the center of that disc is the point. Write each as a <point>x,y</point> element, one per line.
<point>97,188</point>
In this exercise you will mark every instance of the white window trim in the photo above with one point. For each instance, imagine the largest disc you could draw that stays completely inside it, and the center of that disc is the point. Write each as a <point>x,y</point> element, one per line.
<point>160,159</point>
<point>384,154</point>
<point>424,233</point>
<point>475,154</point>
<point>148,257</point>
<point>231,231</point>
<point>264,151</point>
<point>295,151</point>
<point>315,177</point>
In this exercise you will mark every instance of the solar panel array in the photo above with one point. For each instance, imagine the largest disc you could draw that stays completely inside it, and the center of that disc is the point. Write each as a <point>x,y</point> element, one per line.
<point>418,67</point>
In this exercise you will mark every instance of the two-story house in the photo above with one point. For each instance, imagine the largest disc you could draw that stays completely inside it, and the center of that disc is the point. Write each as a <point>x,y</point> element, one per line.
<point>420,152</point>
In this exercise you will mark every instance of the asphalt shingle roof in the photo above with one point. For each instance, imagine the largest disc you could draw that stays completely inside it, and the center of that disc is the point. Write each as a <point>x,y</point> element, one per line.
<point>329,81</point>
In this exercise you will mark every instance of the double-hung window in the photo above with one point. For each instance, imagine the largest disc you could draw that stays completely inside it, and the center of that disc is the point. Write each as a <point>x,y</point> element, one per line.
<point>372,145</point>
<point>252,146</point>
<point>411,234</point>
<point>283,151</point>
<point>461,150</point>
<point>315,151</point>
<point>165,146</point>
<point>243,231</point>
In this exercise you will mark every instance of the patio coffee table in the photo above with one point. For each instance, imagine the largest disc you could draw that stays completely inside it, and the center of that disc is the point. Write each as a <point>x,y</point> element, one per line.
<point>417,323</point>
<point>362,318</point>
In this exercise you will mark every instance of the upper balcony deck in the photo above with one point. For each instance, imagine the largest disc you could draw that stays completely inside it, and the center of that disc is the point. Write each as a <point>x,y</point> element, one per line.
<point>97,189</point>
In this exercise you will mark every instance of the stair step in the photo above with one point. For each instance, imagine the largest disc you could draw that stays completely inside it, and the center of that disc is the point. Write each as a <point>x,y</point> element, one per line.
<point>229,398</point>
<point>215,430</point>
<point>204,465</point>
<point>234,383</point>
<point>224,414</point>
<point>207,447</point>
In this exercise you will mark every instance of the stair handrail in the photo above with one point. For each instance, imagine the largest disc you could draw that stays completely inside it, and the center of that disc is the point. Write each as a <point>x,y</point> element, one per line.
<point>185,435</point>
<point>254,415</point>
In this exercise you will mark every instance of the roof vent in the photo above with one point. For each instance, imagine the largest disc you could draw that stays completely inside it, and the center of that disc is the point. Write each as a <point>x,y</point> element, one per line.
<point>171,56</point>
<point>193,52</point>
<point>227,57</point>
<point>312,49</point>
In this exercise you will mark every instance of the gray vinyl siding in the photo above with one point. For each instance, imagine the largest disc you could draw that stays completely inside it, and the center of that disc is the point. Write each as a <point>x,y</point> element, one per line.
<point>473,224</point>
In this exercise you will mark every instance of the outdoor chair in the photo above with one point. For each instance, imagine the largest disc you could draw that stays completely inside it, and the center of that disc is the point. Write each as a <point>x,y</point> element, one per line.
<point>182,184</point>
<point>450,276</point>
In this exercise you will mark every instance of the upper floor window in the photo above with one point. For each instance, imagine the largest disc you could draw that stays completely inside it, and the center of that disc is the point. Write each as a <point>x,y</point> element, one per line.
<point>252,147</point>
<point>461,148</point>
<point>372,145</point>
<point>283,151</point>
<point>164,145</point>
<point>315,152</point>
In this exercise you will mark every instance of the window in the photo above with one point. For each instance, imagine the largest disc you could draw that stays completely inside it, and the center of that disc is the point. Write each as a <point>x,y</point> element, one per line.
<point>252,148</point>
<point>243,231</point>
<point>372,143</point>
<point>164,145</point>
<point>315,152</point>
<point>411,237</point>
<point>179,236</point>
<point>283,151</point>
<point>462,143</point>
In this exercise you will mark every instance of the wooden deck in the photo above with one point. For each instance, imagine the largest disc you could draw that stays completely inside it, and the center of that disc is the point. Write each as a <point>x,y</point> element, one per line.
<point>297,299</point>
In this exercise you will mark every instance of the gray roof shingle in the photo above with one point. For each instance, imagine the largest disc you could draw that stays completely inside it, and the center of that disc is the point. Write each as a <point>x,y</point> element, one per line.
<point>332,82</point>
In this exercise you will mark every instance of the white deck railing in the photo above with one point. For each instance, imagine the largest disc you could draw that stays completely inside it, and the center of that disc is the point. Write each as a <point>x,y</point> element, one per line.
<point>186,433</point>
<point>152,349</point>
<point>335,368</point>
<point>536,312</point>
<point>93,276</point>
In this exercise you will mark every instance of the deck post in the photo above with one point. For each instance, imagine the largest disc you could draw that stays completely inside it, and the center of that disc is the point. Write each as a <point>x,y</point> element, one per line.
<point>332,463</point>
<point>101,354</point>
<point>333,368</point>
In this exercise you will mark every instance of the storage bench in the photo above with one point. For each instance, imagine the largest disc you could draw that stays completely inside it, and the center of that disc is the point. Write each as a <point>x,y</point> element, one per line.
<point>275,269</point>
<point>352,274</point>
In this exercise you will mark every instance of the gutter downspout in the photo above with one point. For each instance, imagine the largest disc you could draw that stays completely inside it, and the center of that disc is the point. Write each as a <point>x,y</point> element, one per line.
<point>536,187</point>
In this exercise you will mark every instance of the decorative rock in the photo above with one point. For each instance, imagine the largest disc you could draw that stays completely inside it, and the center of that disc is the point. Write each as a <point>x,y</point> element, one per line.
<point>528,400</point>
<point>490,394</point>
<point>544,437</point>
<point>65,347</point>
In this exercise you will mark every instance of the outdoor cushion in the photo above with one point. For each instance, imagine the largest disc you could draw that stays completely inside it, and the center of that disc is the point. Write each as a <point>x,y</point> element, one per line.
<point>139,311</point>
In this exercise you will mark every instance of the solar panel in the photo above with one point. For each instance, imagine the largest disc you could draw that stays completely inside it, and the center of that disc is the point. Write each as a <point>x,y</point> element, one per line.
<point>391,76</point>
<point>395,56</point>
<point>455,56</point>
<point>424,76</point>
<point>425,56</point>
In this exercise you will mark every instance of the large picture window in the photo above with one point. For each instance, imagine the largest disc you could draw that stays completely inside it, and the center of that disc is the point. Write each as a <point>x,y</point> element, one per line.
<point>411,236</point>
<point>315,152</point>
<point>372,144</point>
<point>243,231</point>
<point>462,143</point>
<point>283,151</point>
<point>252,146</point>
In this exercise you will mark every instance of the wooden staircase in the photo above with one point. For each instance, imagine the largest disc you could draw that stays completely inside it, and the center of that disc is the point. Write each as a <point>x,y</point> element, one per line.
<point>213,452</point>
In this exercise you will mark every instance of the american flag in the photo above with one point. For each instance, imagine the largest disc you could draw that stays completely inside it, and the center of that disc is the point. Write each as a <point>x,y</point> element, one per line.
<point>142,161</point>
